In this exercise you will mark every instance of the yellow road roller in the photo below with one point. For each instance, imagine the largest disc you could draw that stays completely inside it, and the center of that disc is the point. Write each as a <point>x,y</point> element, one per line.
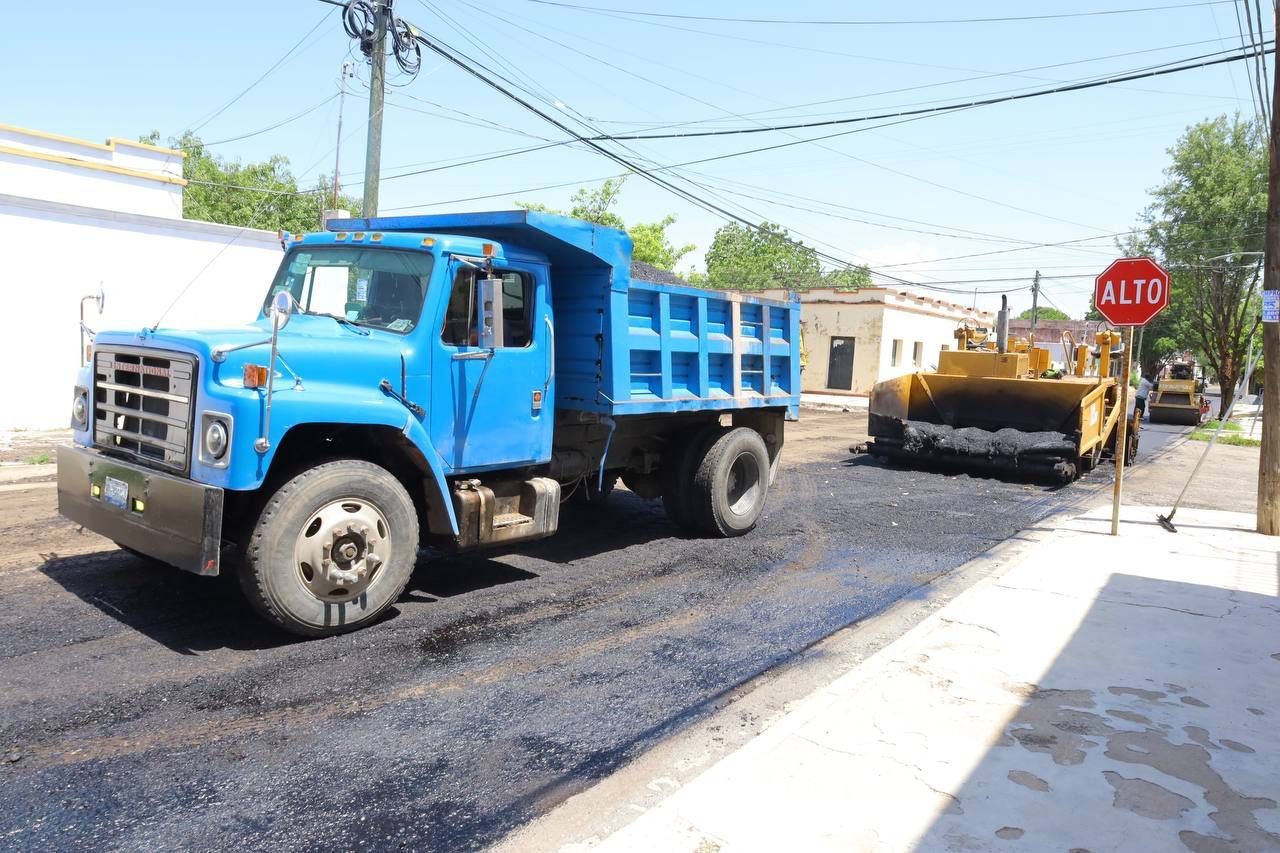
<point>996,407</point>
<point>1177,399</point>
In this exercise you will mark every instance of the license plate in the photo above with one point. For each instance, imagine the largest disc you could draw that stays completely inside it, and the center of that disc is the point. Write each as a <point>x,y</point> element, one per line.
<point>116,492</point>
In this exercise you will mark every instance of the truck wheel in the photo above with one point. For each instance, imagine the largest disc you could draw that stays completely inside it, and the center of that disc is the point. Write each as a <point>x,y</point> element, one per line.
<point>731,483</point>
<point>687,450</point>
<point>332,549</point>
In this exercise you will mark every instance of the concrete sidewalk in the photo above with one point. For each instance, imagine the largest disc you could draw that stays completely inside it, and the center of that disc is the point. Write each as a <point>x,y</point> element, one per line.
<point>1103,694</point>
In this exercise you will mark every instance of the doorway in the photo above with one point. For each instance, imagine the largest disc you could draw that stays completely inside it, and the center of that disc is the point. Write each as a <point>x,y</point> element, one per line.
<point>840,365</point>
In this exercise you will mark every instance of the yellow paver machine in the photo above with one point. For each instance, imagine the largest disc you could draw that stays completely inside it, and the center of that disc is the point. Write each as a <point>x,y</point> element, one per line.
<point>1178,399</point>
<point>997,407</point>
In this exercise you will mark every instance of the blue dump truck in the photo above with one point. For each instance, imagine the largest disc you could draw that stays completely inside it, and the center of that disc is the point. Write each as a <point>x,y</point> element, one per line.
<point>444,381</point>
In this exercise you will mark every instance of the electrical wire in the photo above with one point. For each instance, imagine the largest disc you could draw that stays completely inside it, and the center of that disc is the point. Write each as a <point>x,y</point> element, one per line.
<point>268,128</point>
<point>263,76</point>
<point>1236,56</point>
<point>878,23</point>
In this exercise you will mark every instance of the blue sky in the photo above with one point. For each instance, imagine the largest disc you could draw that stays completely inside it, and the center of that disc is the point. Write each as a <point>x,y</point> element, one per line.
<point>1062,167</point>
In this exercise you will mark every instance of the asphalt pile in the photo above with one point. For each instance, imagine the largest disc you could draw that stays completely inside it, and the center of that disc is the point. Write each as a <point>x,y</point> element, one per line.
<point>929,439</point>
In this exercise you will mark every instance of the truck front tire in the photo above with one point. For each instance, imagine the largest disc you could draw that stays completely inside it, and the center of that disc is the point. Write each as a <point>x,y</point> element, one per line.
<point>332,549</point>
<point>731,483</point>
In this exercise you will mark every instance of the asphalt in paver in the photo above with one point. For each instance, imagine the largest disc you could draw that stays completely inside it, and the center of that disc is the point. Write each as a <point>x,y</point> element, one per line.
<point>145,708</point>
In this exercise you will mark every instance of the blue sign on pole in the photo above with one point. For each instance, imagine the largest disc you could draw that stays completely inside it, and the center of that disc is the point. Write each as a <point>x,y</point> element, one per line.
<point>1271,306</point>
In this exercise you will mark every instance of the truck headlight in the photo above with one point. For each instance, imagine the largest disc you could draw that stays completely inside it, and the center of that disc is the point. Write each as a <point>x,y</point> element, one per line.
<point>80,410</point>
<point>215,438</point>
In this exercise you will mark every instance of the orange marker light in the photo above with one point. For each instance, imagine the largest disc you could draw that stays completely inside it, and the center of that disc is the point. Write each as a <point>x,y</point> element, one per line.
<point>359,235</point>
<point>255,375</point>
<point>376,237</point>
<point>428,242</point>
<point>341,235</point>
<point>487,248</point>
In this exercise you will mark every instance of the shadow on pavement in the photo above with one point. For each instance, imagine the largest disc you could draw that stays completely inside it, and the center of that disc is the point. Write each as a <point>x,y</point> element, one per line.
<point>1148,725</point>
<point>184,612</point>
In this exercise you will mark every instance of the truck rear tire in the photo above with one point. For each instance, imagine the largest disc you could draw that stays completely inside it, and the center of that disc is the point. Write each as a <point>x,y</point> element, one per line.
<point>684,457</point>
<point>731,483</point>
<point>331,549</point>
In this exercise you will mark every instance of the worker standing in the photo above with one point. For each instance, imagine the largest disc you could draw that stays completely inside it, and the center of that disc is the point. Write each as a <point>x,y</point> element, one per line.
<point>1140,403</point>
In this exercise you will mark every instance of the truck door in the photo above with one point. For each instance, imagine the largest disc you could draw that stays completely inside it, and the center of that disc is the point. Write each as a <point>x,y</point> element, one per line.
<point>492,405</point>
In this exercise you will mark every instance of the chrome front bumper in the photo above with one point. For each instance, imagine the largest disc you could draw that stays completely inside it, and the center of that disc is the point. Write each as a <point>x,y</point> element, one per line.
<point>174,520</point>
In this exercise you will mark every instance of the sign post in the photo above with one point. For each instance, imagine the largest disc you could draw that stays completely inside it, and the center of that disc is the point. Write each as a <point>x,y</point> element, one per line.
<point>1129,292</point>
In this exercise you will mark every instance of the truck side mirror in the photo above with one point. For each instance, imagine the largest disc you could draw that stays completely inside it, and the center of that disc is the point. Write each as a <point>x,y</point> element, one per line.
<point>282,306</point>
<point>489,313</point>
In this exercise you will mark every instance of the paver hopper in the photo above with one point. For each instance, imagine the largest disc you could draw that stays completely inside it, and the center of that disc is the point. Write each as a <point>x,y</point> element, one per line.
<point>988,410</point>
<point>1178,399</point>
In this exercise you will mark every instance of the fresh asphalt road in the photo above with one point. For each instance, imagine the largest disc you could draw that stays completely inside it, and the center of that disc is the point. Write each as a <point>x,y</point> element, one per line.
<point>144,708</point>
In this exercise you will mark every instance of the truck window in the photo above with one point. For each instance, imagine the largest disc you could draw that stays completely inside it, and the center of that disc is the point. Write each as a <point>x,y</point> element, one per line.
<point>373,286</point>
<point>517,303</point>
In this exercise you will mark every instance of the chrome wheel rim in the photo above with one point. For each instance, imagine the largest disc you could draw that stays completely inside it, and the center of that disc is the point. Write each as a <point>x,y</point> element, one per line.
<point>742,490</point>
<point>340,549</point>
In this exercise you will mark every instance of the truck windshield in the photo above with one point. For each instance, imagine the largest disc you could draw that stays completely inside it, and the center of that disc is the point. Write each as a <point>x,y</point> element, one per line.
<point>364,285</point>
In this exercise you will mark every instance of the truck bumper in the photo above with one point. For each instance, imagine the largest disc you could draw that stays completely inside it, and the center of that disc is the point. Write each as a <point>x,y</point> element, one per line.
<point>174,520</point>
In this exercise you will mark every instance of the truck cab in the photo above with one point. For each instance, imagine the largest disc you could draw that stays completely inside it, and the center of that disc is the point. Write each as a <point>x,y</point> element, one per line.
<point>442,380</point>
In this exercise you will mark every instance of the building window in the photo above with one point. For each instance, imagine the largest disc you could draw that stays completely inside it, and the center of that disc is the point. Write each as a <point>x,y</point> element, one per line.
<point>917,353</point>
<point>895,355</point>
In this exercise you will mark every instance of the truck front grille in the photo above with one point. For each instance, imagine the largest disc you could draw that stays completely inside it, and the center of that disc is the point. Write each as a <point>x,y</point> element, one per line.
<point>142,404</point>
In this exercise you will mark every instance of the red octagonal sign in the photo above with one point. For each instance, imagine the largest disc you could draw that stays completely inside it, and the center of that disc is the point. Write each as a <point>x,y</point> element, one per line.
<point>1131,291</point>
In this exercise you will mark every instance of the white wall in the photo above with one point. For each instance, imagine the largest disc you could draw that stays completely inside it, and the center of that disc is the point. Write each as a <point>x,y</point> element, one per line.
<point>117,175</point>
<point>874,317</point>
<point>55,253</point>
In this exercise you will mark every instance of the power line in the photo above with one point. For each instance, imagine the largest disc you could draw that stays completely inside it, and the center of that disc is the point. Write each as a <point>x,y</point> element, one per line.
<point>265,74</point>
<point>880,23</point>
<point>261,131</point>
<point>948,108</point>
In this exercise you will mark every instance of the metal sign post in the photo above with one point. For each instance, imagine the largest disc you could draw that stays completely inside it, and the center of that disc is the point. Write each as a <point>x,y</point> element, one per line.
<point>1129,292</point>
<point>1122,436</point>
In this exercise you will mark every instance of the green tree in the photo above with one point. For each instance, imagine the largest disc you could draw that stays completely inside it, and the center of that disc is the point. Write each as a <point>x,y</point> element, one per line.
<point>1212,204</point>
<point>650,242</point>
<point>745,258</point>
<point>259,195</point>
<point>1046,313</point>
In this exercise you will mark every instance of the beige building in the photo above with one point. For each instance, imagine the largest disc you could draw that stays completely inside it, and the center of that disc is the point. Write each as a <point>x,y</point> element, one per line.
<point>854,339</point>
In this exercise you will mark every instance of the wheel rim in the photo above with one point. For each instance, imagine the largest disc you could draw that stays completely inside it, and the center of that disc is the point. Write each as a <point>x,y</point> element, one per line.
<point>340,549</point>
<point>744,483</point>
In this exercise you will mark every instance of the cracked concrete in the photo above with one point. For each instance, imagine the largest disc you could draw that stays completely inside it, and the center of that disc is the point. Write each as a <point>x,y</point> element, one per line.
<point>1072,703</point>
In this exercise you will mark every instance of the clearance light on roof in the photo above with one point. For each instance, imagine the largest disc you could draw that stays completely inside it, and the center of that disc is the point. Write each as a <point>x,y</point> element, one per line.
<point>487,248</point>
<point>341,235</point>
<point>428,242</point>
<point>358,236</point>
<point>376,237</point>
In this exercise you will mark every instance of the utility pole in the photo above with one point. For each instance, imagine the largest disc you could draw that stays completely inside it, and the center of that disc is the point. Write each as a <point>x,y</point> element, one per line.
<point>1269,460</point>
<point>1035,305</point>
<point>348,70</point>
<point>373,147</point>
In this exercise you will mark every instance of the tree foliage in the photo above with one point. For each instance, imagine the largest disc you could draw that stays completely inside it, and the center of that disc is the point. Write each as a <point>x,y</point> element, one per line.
<point>1046,313</point>
<point>258,195</point>
<point>744,258</point>
<point>650,241</point>
<point>1212,204</point>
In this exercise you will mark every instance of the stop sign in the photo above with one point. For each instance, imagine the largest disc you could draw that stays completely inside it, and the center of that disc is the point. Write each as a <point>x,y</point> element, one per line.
<point>1131,291</point>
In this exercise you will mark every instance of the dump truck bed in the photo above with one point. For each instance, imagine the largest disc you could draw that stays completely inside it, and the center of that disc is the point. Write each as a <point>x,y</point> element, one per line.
<point>627,347</point>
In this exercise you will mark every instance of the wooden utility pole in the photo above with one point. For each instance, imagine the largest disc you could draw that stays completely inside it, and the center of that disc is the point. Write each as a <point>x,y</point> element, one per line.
<point>1269,461</point>
<point>348,70</point>
<point>1035,305</point>
<point>373,147</point>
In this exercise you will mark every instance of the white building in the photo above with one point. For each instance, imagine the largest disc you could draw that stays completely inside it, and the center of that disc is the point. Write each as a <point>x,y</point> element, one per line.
<point>854,339</point>
<point>75,215</point>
